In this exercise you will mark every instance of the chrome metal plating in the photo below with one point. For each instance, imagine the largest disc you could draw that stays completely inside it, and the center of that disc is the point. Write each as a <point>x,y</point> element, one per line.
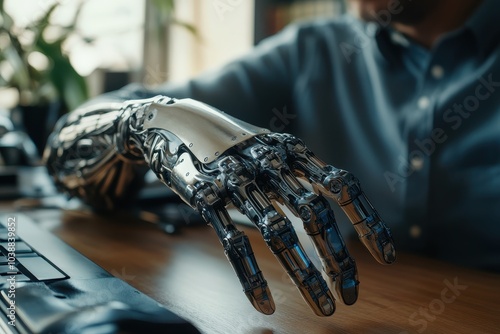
<point>212,160</point>
<point>207,131</point>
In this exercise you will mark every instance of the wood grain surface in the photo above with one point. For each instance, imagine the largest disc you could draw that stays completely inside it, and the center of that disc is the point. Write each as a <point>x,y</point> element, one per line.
<point>189,274</point>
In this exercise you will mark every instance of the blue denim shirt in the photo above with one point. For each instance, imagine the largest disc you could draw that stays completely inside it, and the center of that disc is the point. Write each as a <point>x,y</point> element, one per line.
<point>419,128</point>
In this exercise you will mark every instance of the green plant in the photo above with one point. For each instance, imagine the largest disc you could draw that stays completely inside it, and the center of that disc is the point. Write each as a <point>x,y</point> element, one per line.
<point>23,47</point>
<point>165,12</point>
<point>57,80</point>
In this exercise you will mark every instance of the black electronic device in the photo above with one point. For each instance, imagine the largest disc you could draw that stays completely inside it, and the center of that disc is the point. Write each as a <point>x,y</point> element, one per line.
<point>46,286</point>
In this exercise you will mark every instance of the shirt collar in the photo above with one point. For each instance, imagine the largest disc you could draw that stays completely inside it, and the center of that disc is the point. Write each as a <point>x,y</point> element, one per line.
<point>483,25</point>
<point>381,37</point>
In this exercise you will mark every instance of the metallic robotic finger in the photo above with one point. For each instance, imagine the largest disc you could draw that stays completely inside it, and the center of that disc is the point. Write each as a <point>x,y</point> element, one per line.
<point>100,153</point>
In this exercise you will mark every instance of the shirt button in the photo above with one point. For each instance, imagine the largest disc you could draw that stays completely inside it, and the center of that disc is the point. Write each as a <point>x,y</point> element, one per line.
<point>398,38</point>
<point>424,102</point>
<point>415,231</point>
<point>437,71</point>
<point>417,163</point>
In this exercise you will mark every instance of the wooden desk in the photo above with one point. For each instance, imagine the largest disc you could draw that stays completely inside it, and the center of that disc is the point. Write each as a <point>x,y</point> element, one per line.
<point>190,274</point>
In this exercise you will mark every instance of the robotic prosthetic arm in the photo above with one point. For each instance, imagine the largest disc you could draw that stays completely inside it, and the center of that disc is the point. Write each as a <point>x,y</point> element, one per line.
<point>211,160</point>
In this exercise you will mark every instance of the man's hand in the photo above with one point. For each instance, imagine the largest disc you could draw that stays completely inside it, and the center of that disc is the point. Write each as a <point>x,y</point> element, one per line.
<point>212,160</point>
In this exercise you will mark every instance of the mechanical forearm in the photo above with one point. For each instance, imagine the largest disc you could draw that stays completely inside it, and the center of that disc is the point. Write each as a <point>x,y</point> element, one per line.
<point>96,152</point>
<point>212,160</point>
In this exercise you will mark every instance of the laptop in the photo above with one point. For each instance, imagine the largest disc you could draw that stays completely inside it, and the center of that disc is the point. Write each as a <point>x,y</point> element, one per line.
<point>46,286</point>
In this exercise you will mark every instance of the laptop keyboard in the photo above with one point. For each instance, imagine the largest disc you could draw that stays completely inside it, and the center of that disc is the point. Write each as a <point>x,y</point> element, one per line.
<point>48,300</point>
<point>27,265</point>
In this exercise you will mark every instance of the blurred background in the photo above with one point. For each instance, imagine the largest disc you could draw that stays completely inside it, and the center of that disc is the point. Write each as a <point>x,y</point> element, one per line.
<point>55,54</point>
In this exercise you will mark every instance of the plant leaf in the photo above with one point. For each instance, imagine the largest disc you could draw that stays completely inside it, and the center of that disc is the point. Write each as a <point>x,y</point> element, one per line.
<point>70,86</point>
<point>165,7</point>
<point>41,24</point>
<point>20,78</point>
<point>192,29</point>
<point>7,21</point>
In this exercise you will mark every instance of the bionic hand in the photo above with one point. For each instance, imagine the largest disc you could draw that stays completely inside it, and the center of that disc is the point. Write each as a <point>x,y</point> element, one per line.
<point>212,160</point>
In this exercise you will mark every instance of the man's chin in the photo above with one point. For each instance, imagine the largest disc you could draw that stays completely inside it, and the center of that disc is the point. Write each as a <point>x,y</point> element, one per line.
<point>367,9</point>
<point>401,11</point>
